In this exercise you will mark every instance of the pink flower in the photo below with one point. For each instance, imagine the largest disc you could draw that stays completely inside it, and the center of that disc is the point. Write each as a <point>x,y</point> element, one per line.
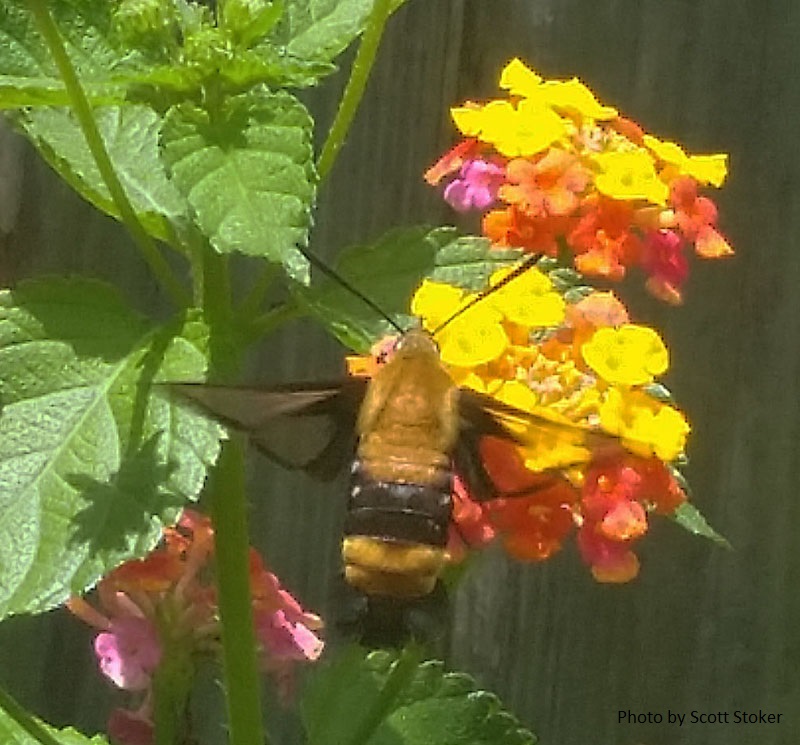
<point>477,186</point>
<point>283,628</point>
<point>129,652</point>
<point>166,603</point>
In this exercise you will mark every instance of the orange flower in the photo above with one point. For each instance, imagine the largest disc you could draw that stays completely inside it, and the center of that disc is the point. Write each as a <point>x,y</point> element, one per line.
<point>696,217</point>
<point>511,227</point>
<point>546,187</point>
<point>452,160</point>
<point>603,238</point>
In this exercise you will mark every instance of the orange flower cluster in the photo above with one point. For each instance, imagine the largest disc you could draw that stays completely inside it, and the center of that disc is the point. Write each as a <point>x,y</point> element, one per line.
<point>553,170</point>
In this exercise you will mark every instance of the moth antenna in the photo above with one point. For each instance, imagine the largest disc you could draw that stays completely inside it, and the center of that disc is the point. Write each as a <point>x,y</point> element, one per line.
<point>523,267</point>
<point>334,275</point>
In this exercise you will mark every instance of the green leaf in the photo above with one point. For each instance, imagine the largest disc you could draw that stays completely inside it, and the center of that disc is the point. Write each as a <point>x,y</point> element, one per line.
<point>92,461</point>
<point>16,92</point>
<point>691,519</point>
<point>20,727</point>
<point>85,27</point>
<point>388,272</point>
<point>376,699</point>
<point>321,29</point>
<point>131,137</point>
<point>248,175</point>
<point>469,261</point>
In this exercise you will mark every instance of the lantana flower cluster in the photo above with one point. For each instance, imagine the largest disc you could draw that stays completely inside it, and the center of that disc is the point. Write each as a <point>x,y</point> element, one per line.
<point>599,445</point>
<point>162,610</point>
<point>555,171</point>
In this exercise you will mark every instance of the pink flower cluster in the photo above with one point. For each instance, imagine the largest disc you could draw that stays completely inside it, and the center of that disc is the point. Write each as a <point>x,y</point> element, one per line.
<point>150,606</point>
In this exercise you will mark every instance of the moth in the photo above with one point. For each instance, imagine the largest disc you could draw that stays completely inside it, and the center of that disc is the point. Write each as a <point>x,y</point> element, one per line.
<point>405,432</point>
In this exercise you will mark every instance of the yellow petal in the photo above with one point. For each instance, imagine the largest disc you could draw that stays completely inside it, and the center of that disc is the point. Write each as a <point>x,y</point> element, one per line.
<point>435,302</point>
<point>708,169</point>
<point>630,174</point>
<point>518,79</point>
<point>575,99</point>
<point>468,119</point>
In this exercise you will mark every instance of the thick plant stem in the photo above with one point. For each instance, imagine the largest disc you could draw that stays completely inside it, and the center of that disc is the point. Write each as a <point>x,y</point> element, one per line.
<point>362,65</point>
<point>242,679</point>
<point>83,111</point>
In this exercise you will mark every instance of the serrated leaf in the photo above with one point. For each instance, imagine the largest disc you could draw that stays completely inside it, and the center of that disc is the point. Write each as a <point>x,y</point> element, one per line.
<point>84,26</point>
<point>92,462</point>
<point>388,271</point>
<point>469,261</point>
<point>249,175</point>
<point>19,727</point>
<point>321,29</point>
<point>16,92</point>
<point>131,135</point>
<point>576,294</point>
<point>691,519</point>
<point>367,699</point>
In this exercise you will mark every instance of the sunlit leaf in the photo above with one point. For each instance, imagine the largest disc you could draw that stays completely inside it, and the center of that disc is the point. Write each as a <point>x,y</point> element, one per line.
<point>366,698</point>
<point>388,271</point>
<point>691,519</point>
<point>92,462</point>
<point>131,137</point>
<point>248,175</point>
<point>468,262</point>
<point>85,27</point>
<point>321,29</point>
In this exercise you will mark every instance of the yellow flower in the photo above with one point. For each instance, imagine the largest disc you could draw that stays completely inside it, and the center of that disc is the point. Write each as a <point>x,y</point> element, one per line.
<point>630,174</point>
<point>529,300</point>
<point>628,355</point>
<point>576,100</point>
<point>647,427</point>
<point>525,130</point>
<point>435,302</point>
<point>706,169</point>
<point>474,338</point>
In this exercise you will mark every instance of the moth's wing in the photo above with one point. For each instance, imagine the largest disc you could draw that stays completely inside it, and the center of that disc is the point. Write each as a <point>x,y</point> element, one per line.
<point>483,416</point>
<point>305,426</point>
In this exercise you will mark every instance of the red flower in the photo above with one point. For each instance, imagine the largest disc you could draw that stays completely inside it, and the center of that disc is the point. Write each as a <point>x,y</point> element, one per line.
<point>663,260</point>
<point>537,514</point>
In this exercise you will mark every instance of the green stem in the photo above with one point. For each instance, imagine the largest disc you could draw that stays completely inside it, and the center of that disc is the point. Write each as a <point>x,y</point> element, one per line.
<point>269,321</point>
<point>239,652</point>
<point>83,111</point>
<point>25,720</point>
<point>362,65</point>
<point>250,305</point>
